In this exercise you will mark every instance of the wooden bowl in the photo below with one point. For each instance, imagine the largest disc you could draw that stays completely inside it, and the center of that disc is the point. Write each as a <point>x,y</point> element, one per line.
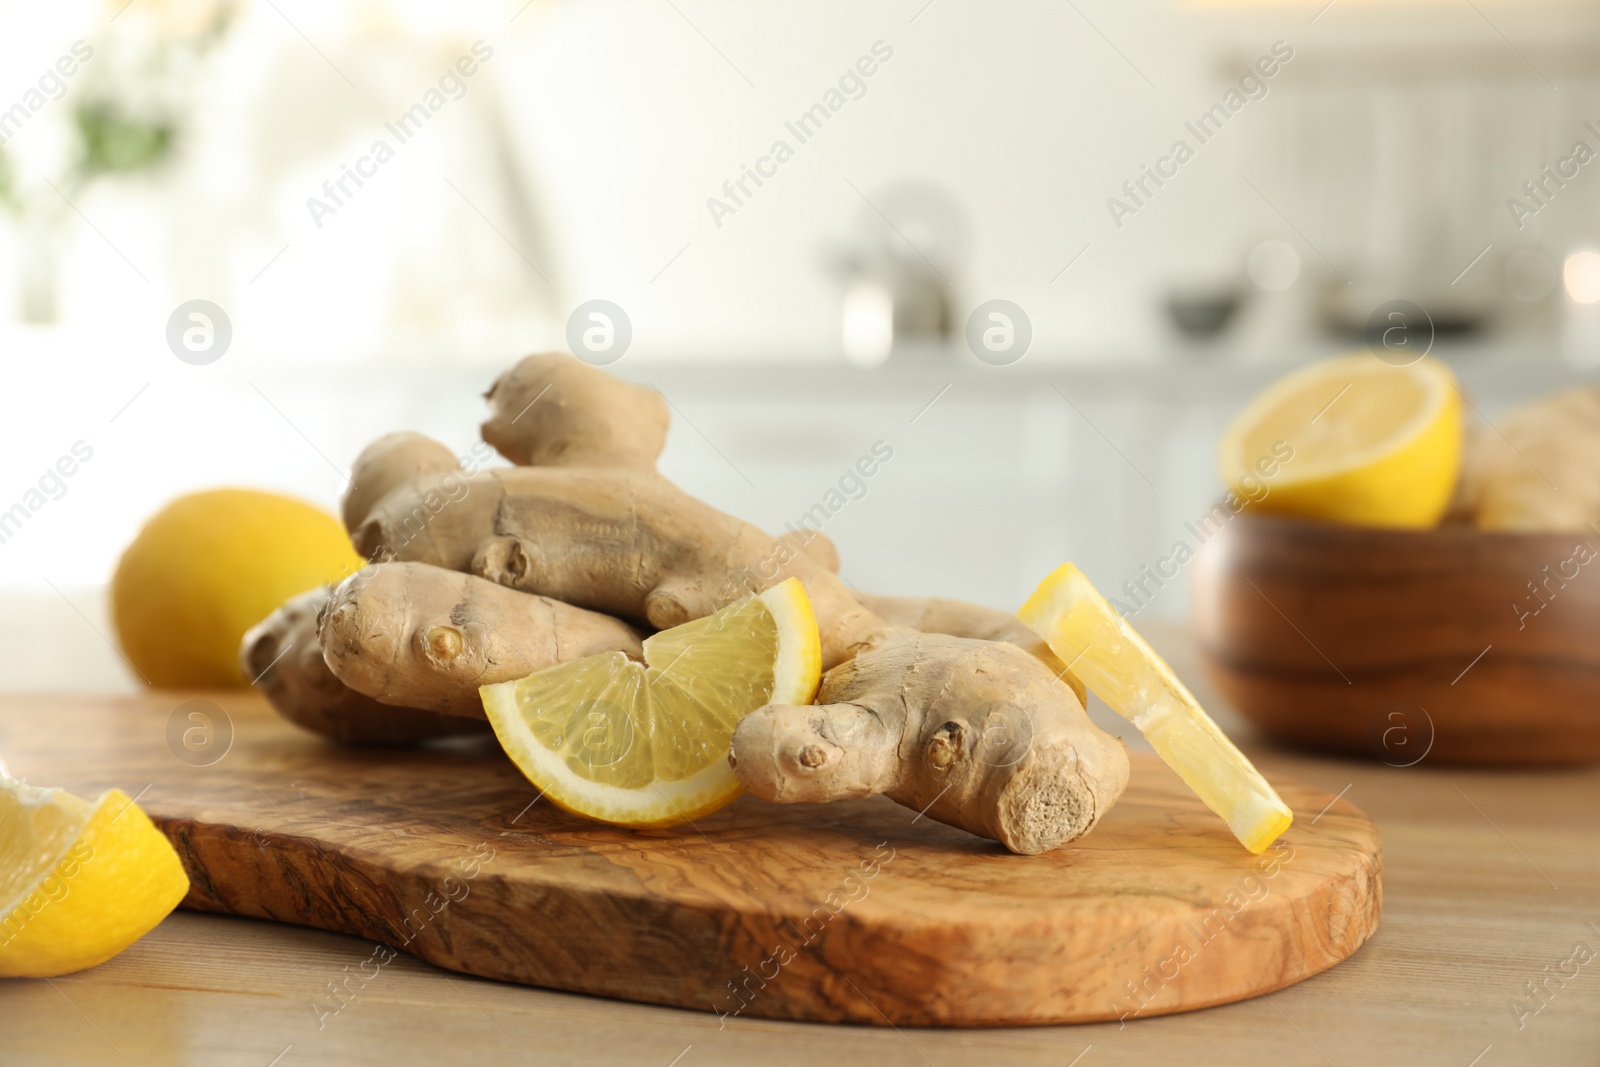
<point>1455,645</point>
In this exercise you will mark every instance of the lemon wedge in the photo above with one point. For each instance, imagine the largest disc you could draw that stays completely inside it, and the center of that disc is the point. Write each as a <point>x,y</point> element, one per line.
<point>79,881</point>
<point>1352,439</point>
<point>1117,665</point>
<point>646,744</point>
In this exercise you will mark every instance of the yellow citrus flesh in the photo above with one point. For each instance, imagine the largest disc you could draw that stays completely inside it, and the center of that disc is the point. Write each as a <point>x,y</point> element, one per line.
<point>209,566</point>
<point>79,882</point>
<point>1117,665</point>
<point>647,744</point>
<point>1372,444</point>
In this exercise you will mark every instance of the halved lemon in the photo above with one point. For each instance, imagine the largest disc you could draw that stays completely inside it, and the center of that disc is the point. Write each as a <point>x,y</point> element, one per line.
<point>646,744</point>
<point>1352,439</point>
<point>79,881</point>
<point>1117,665</point>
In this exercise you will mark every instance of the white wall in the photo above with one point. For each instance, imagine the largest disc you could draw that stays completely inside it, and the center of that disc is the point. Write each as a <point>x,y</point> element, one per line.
<point>622,118</point>
<point>399,310</point>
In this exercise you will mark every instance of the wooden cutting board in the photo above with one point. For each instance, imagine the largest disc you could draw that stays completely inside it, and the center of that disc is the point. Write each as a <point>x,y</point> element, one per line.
<point>859,911</point>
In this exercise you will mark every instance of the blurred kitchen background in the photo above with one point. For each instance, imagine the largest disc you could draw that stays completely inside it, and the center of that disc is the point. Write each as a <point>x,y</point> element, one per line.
<point>940,155</point>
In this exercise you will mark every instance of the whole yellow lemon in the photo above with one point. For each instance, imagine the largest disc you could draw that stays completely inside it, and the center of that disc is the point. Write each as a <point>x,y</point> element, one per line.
<point>209,566</point>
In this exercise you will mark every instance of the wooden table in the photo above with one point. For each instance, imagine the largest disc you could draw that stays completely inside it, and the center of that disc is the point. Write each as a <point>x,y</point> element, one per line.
<point>1491,880</point>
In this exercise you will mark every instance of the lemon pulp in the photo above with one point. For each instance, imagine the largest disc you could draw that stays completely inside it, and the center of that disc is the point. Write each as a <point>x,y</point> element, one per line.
<point>1118,666</point>
<point>79,881</point>
<point>1352,440</point>
<point>647,743</point>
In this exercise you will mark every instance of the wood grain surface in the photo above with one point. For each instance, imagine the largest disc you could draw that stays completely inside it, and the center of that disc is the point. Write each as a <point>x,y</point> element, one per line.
<point>1469,646</point>
<point>858,912</point>
<point>1490,877</point>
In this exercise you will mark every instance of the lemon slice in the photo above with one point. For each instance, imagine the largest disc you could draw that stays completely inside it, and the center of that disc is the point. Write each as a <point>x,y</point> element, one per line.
<point>79,882</point>
<point>1352,439</point>
<point>1115,663</point>
<point>647,744</point>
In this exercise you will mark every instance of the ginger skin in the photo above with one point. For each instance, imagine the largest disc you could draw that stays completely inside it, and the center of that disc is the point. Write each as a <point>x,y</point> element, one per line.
<point>970,732</point>
<point>282,654</point>
<point>813,543</point>
<point>624,542</point>
<point>391,461</point>
<point>1539,470</point>
<point>408,633</point>
<point>936,615</point>
<point>542,414</point>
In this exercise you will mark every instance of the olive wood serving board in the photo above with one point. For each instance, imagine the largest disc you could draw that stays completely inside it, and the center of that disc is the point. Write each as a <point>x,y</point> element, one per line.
<point>858,911</point>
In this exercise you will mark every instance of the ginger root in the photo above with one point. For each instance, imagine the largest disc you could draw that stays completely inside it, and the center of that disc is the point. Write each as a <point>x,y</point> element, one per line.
<point>491,575</point>
<point>957,618</point>
<point>969,732</point>
<point>391,461</point>
<point>408,633</point>
<point>619,539</point>
<point>813,543</point>
<point>542,414</point>
<point>283,656</point>
<point>624,542</point>
<point>1537,469</point>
